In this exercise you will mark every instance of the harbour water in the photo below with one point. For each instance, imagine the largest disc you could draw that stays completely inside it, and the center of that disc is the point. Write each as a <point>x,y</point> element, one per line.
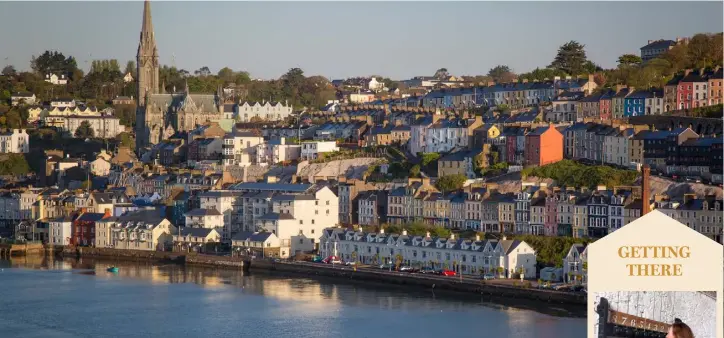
<point>70,298</point>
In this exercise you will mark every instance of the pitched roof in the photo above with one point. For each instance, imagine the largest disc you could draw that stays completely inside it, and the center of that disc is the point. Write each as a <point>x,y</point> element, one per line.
<point>660,44</point>
<point>273,216</point>
<point>90,217</point>
<point>203,212</point>
<point>194,232</point>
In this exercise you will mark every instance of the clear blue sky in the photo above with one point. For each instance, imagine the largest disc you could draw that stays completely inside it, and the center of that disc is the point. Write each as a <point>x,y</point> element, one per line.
<point>344,39</point>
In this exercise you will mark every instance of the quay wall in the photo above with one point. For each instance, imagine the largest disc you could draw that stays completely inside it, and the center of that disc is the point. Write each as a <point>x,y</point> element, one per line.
<point>427,282</point>
<point>436,283</point>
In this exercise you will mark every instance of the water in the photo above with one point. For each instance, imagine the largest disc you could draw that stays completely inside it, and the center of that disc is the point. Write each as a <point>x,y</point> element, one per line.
<point>40,298</point>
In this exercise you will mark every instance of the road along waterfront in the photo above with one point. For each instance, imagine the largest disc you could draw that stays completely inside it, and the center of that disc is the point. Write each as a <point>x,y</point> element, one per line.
<point>78,298</point>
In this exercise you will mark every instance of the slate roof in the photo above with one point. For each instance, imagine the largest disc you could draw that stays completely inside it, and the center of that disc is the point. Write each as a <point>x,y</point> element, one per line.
<point>272,186</point>
<point>203,102</point>
<point>251,236</point>
<point>660,44</point>
<point>90,217</point>
<point>194,232</point>
<point>273,216</point>
<point>294,198</point>
<point>203,212</point>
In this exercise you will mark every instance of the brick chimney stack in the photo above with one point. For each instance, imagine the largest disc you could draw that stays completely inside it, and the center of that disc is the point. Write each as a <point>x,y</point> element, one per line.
<point>645,189</point>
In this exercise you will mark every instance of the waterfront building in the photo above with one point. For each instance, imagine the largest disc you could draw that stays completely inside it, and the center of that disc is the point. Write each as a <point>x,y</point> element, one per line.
<point>204,218</point>
<point>139,230</point>
<point>195,239</point>
<point>84,228</point>
<point>506,258</point>
<point>60,231</point>
<point>260,244</point>
<point>575,264</point>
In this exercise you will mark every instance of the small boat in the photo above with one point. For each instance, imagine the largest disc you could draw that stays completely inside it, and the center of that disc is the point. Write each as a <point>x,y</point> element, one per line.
<point>112,269</point>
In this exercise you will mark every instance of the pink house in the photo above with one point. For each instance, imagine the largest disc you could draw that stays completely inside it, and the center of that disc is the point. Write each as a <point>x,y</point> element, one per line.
<point>551,207</point>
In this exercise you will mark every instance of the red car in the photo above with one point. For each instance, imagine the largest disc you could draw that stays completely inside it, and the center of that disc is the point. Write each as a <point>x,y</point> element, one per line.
<point>447,273</point>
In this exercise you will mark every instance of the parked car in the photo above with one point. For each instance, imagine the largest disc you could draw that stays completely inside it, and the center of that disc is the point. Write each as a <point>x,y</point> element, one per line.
<point>406,268</point>
<point>448,273</point>
<point>349,263</point>
<point>488,276</point>
<point>385,266</point>
<point>428,270</point>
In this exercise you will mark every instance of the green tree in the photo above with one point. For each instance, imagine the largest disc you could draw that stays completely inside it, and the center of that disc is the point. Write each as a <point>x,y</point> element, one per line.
<point>13,164</point>
<point>53,62</point>
<point>84,130</point>
<point>415,171</point>
<point>627,60</point>
<point>125,140</point>
<point>130,68</point>
<point>226,75</point>
<point>501,73</point>
<point>450,182</point>
<point>571,58</point>
<point>441,74</point>
<point>9,70</point>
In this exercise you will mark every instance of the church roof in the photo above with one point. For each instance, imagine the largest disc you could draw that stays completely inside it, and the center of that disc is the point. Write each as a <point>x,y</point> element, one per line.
<point>203,102</point>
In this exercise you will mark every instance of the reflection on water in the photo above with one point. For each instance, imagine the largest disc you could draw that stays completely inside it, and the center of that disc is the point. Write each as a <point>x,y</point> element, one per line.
<point>210,299</point>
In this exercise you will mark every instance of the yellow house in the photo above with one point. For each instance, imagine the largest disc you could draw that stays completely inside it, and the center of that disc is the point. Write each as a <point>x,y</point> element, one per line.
<point>195,239</point>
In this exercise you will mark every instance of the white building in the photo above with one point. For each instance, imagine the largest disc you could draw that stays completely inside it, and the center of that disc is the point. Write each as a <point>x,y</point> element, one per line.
<point>616,147</point>
<point>361,97</point>
<point>60,231</point>
<point>575,263</point>
<point>240,147</point>
<point>506,258</point>
<point>62,103</point>
<point>265,111</point>
<point>100,167</point>
<point>15,142</point>
<point>263,244</point>
<point>312,149</point>
<point>103,126</point>
<point>138,230</point>
<point>275,151</point>
<point>375,85</point>
<point>298,220</point>
<point>204,218</point>
<point>228,205</point>
<point>56,79</point>
<point>22,97</point>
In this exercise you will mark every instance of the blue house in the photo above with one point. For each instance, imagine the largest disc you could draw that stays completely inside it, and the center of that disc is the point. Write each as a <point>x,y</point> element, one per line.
<point>635,103</point>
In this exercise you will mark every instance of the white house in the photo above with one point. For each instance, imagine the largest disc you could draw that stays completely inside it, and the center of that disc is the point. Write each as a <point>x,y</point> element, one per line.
<point>128,78</point>
<point>240,147</point>
<point>23,97</point>
<point>204,218</point>
<point>103,126</point>
<point>100,167</point>
<point>299,220</point>
<point>312,149</point>
<point>56,79</point>
<point>195,239</point>
<point>375,85</point>
<point>59,231</point>
<point>275,151</point>
<point>15,142</point>
<point>138,230</point>
<point>228,205</point>
<point>62,103</point>
<point>504,258</point>
<point>575,263</point>
<point>265,111</point>
<point>263,244</point>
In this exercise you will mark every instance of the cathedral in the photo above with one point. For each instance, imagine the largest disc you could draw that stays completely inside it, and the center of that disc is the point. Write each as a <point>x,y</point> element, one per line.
<point>160,115</point>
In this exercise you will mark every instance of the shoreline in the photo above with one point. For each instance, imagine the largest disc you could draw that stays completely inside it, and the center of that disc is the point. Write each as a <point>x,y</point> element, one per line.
<point>396,280</point>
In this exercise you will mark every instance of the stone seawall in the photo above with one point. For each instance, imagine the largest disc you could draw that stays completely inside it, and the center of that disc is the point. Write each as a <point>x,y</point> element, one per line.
<point>427,282</point>
<point>452,284</point>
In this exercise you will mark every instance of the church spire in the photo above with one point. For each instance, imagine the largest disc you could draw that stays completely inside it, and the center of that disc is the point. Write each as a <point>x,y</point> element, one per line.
<point>147,27</point>
<point>187,88</point>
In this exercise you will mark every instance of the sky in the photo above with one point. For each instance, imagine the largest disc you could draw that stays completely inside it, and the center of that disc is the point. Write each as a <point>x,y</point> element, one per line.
<point>399,40</point>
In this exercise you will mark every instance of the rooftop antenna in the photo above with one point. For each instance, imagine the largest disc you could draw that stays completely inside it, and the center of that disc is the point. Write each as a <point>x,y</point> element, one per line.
<point>173,60</point>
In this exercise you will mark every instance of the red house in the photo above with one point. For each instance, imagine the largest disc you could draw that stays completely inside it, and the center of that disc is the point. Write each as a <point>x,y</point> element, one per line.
<point>604,105</point>
<point>543,145</point>
<point>84,228</point>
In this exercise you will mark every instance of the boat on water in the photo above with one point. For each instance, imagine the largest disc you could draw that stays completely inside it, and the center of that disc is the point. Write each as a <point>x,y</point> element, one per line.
<point>112,269</point>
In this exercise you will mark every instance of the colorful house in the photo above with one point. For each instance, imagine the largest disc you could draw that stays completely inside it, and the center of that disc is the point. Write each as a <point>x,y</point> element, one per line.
<point>543,145</point>
<point>635,104</point>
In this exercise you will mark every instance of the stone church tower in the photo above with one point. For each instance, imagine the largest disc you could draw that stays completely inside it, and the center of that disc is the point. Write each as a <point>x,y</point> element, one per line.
<point>147,73</point>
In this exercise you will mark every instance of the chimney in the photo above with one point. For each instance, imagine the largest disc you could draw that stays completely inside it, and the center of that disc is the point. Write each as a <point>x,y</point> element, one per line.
<point>382,230</point>
<point>701,71</point>
<point>525,80</point>
<point>384,123</point>
<point>505,238</point>
<point>650,41</point>
<point>619,88</point>
<point>477,238</point>
<point>404,232</point>
<point>556,78</point>
<point>687,72</point>
<point>427,234</point>
<point>568,77</point>
<point>590,78</point>
<point>645,190</point>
